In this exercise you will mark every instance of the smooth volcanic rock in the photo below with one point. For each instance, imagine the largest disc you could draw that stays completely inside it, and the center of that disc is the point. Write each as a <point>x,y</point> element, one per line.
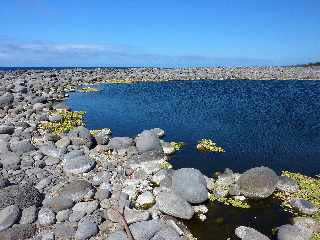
<point>145,230</point>
<point>286,184</point>
<point>81,136</point>
<point>9,216</point>
<point>304,206</point>
<point>173,205</point>
<point>293,232</point>
<point>81,164</point>
<point>76,190</point>
<point>190,184</point>
<point>247,233</point>
<point>59,203</point>
<point>6,129</point>
<point>147,141</point>
<point>258,183</point>
<point>22,146</point>
<point>117,143</point>
<point>22,195</point>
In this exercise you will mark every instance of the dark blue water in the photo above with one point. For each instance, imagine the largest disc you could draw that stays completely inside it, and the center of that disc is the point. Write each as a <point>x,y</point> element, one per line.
<point>270,123</point>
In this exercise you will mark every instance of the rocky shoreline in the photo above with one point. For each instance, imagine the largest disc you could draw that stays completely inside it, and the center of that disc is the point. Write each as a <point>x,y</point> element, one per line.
<point>81,184</point>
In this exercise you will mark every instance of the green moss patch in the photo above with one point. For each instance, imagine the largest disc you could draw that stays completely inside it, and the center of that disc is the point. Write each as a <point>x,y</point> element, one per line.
<point>177,145</point>
<point>89,89</point>
<point>208,145</point>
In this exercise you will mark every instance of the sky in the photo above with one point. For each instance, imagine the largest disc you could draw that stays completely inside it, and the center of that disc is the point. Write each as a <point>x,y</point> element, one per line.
<point>166,33</point>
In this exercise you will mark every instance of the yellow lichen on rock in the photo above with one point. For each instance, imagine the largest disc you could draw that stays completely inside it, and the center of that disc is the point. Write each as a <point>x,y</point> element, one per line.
<point>89,89</point>
<point>208,145</point>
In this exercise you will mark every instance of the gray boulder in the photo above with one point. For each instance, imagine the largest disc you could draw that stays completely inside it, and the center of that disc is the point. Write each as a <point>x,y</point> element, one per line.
<point>117,143</point>
<point>6,129</point>
<point>173,205</point>
<point>190,184</point>
<point>76,190</point>
<point>6,99</point>
<point>19,232</point>
<point>46,216</point>
<point>80,136</point>
<point>22,146</point>
<point>81,164</point>
<point>51,151</point>
<point>59,203</point>
<point>286,184</point>
<point>148,141</point>
<point>293,232</point>
<point>118,235</point>
<point>304,206</point>
<point>22,195</point>
<point>86,230</point>
<point>145,230</point>
<point>29,215</point>
<point>247,233</point>
<point>9,160</point>
<point>258,183</point>
<point>9,216</point>
<point>132,215</point>
<point>166,232</point>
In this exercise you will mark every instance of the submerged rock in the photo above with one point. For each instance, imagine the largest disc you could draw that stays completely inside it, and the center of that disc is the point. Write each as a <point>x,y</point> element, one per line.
<point>258,183</point>
<point>247,233</point>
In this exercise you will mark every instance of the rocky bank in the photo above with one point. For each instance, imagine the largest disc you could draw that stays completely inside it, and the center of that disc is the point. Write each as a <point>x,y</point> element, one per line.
<point>81,184</point>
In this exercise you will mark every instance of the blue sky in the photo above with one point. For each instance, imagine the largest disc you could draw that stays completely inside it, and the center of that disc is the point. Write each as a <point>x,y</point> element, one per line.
<point>159,33</point>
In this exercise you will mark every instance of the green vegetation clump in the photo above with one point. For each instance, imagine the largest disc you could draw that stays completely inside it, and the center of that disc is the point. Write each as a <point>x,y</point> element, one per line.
<point>208,145</point>
<point>69,121</point>
<point>89,89</point>
<point>228,201</point>
<point>165,165</point>
<point>124,81</point>
<point>316,236</point>
<point>309,190</point>
<point>177,145</point>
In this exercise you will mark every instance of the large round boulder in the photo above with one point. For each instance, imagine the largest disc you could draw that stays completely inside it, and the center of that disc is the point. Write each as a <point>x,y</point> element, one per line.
<point>258,183</point>
<point>148,141</point>
<point>190,184</point>
<point>81,136</point>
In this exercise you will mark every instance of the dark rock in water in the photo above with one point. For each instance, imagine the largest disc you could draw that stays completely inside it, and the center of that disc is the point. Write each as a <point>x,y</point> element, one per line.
<point>147,141</point>
<point>247,233</point>
<point>287,184</point>
<point>22,146</point>
<point>9,216</point>
<point>145,230</point>
<point>304,206</point>
<point>6,129</point>
<point>6,99</point>
<point>80,136</point>
<point>19,232</point>
<point>258,183</point>
<point>293,232</point>
<point>190,184</point>
<point>173,205</point>
<point>117,143</point>
<point>76,190</point>
<point>21,195</point>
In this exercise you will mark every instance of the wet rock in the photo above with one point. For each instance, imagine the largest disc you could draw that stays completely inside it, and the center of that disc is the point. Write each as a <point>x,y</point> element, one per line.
<point>46,216</point>
<point>21,195</point>
<point>173,205</point>
<point>145,230</point>
<point>247,233</point>
<point>304,206</point>
<point>9,216</point>
<point>190,184</point>
<point>81,164</point>
<point>293,232</point>
<point>258,183</point>
<point>147,141</point>
<point>286,184</point>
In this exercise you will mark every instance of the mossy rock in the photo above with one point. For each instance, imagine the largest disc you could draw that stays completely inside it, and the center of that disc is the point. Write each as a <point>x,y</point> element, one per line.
<point>208,145</point>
